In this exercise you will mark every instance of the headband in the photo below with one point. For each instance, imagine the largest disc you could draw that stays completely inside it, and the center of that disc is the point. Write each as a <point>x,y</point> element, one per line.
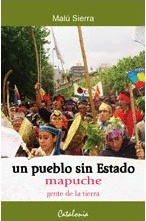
<point>125,98</point>
<point>56,113</point>
<point>114,133</point>
<point>140,84</point>
<point>48,129</point>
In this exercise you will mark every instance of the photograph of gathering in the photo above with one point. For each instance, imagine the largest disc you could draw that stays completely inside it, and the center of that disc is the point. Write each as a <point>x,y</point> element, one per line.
<point>76,91</point>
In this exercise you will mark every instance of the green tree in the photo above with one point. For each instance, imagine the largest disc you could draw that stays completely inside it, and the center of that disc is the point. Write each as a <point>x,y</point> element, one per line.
<point>47,78</point>
<point>18,54</point>
<point>67,92</point>
<point>116,77</point>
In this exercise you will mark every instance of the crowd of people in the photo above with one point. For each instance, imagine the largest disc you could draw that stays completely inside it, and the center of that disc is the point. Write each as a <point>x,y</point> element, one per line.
<point>53,121</point>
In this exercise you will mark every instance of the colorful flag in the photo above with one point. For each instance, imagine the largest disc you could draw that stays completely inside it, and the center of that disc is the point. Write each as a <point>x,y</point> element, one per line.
<point>137,77</point>
<point>98,91</point>
<point>83,92</point>
<point>80,91</point>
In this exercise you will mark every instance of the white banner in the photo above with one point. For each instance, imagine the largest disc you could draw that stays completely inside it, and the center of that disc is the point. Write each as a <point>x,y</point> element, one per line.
<point>69,178</point>
<point>10,142</point>
<point>80,91</point>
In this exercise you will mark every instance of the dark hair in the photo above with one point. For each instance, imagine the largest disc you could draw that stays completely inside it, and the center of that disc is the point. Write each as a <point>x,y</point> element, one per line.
<point>82,103</point>
<point>89,115</point>
<point>108,101</point>
<point>61,97</point>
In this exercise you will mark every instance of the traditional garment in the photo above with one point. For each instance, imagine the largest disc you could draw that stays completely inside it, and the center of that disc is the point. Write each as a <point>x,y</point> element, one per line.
<point>127,118</point>
<point>44,154</point>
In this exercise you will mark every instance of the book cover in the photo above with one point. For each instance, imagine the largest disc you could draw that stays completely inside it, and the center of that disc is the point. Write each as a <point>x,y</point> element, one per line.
<point>73,187</point>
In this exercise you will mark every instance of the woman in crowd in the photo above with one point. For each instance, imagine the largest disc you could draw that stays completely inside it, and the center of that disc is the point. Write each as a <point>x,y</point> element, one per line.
<point>119,145</point>
<point>49,140</point>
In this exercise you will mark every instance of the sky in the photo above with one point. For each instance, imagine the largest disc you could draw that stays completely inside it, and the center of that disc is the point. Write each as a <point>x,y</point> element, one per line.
<point>103,45</point>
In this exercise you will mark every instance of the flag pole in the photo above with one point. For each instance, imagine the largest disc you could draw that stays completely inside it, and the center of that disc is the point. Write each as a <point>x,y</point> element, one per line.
<point>8,99</point>
<point>40,66</point>
<point>38,87</point>
<point>133,114</point>
<point>4,85</point>
<point>36,52</point>
<point>86,73</point>
<point>4,90</point>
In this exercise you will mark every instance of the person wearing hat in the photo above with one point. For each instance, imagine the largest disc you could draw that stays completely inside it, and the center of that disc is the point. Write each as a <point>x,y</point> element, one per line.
<point>58,120</point>
<point>18,118</point>
<point>18,123</point>
<point>105,113</point>
<point>125,112</point>
<point>49,140</point>
<point>119,145</point>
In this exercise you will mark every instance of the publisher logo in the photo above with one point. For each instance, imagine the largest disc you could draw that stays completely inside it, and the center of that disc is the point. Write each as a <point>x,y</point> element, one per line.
<point>72,213</point>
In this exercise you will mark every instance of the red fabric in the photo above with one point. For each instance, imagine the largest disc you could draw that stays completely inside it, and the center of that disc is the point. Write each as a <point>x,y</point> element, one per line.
<point>21,109</point>
<point>125,98</point>
<point>127,119</point>
<point>46,97</point>
<point>140,84</point>
<point>65,121</point>
<point>97,93</point>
